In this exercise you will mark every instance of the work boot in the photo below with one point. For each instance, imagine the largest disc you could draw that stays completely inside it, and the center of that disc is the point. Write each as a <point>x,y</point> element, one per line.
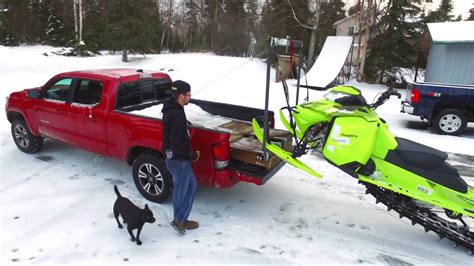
<point>178,226</point>
<point>190,225</point>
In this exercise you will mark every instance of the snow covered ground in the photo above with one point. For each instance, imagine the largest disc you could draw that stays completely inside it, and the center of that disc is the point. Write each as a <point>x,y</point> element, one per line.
<point>56,206</point>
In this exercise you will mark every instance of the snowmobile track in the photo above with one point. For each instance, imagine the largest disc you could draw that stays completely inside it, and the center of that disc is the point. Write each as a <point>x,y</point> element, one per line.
<point>405,207</point>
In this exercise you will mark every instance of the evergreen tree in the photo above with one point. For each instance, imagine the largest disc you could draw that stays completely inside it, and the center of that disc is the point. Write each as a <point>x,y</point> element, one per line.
<point>232,33</point>
<point>388,47</point>
<point>6,35</point>
<point>156,29</point>
<point>58,33</point>
<point>192,35</point>
<point>354,9</point>
<point>40,13</point>
<point>278,21</point>
<point>471,16</point>
<point>252,16</point>
<point>442,14</point>
<point>18,19</point>
<point>212,13</point>
<point>94,26</point>
<point>331,12</point>
<point>130,26</point>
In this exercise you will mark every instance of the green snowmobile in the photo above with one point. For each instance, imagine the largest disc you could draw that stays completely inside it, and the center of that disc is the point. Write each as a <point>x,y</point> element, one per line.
<point>408,177</point>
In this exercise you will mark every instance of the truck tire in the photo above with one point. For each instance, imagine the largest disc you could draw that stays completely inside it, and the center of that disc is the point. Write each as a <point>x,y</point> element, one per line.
<point>24,139</point>
<point>152,178</point>
<point>450,122</point>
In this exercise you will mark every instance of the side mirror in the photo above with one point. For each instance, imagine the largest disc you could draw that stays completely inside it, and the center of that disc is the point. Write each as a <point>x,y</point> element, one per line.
<point>34,93</point>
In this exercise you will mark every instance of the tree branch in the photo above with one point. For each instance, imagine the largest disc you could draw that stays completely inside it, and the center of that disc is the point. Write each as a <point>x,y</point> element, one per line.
<point>297,20</point>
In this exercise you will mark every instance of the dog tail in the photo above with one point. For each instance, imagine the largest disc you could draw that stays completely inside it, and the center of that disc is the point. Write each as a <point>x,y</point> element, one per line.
<point>117,192</point>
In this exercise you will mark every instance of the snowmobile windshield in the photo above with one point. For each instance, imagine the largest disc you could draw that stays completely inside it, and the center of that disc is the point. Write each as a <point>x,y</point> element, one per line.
<point>346,99</point>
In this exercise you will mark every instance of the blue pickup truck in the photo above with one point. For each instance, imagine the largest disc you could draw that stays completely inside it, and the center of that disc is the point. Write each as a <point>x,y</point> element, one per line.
<point>447,108</point>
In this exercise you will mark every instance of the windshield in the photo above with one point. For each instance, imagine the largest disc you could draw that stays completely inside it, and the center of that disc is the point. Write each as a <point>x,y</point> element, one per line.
<point>345,98</point>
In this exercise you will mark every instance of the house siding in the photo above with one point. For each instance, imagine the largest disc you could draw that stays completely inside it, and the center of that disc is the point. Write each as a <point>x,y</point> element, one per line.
<point>451,63</point>
<point>342,29</point>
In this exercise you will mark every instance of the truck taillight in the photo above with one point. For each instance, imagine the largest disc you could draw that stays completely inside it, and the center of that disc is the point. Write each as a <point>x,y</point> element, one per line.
<point>221,153</point>
<point>415,96</point>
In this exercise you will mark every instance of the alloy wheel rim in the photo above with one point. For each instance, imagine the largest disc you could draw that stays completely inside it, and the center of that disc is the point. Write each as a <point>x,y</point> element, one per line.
<point>21,136</point>
<point>450,123</point>
<point>151,179</point>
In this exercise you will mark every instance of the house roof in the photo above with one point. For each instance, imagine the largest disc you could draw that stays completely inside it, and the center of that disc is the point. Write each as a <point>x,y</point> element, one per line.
<point>346,18</point>
<point>452,32</point>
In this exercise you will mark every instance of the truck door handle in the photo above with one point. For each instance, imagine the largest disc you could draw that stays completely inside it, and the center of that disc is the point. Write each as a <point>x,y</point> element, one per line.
<point>93,118</point>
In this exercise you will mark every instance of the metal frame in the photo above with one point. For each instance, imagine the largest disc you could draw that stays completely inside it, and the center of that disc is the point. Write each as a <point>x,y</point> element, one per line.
<point>274,42</point>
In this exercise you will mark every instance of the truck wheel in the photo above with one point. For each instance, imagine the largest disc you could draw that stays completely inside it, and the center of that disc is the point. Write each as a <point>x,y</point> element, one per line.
<point>24,139</point>
<point>152,178</point>
<point>450,122</point>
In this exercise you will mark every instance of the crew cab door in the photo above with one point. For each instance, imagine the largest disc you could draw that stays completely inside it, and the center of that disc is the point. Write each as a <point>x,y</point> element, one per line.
<point>51,107</point>
<point>86,116</point>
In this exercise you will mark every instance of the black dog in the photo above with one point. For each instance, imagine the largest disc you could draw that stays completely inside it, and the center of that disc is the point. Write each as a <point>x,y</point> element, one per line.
<point>133,216</point>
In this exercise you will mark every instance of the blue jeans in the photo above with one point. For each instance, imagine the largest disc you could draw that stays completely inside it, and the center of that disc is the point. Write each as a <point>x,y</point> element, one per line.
<point>184,188</point>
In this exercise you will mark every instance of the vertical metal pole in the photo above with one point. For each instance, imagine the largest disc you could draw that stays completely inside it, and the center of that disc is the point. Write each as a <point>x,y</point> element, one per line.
<point>300,53</point>
<point>417,62</point>
<point>350,59</point>
<point>267,96</point>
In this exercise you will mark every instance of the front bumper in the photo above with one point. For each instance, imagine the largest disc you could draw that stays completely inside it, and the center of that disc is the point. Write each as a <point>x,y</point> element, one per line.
<point>407,108</point>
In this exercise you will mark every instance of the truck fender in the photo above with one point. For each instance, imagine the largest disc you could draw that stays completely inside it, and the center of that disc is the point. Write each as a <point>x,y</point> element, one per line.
<point>136,151</point>
<point>17,114</point>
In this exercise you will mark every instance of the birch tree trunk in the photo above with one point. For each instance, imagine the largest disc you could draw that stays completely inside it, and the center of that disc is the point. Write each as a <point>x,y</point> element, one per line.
<point>368,23</point>
<point>212,33</point>
<point>124,55</point>
<point>315,7</point>
<point>80,22</point>
<point>76,29</point>
<point>359,39</point>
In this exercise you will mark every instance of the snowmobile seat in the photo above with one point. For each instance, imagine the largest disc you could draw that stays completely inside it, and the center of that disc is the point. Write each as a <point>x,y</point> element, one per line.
<point>426,162</point>
<point>418,154</point>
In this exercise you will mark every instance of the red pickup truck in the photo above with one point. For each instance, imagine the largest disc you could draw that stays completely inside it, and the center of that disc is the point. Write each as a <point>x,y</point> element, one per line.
<point>96,110</point>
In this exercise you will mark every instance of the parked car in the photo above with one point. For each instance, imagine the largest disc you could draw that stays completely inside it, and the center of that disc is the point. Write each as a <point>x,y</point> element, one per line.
<point>92,110</point>
<point>447,108</point>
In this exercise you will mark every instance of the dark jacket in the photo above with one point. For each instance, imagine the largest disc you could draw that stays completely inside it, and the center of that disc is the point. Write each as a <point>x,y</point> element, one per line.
<point>176,145</point>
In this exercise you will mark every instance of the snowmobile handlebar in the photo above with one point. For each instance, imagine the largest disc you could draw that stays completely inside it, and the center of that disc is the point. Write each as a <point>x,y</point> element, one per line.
<point>384,97</point>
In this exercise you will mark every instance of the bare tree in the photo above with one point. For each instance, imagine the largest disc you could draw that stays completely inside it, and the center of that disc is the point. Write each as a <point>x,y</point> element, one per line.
<point>359,39</point>
<point>367,24</point>
<point>315,8</point>
<point>78,16</point>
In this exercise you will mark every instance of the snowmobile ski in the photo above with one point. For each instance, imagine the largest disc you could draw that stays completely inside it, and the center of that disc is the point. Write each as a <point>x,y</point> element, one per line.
<point>282,154</point>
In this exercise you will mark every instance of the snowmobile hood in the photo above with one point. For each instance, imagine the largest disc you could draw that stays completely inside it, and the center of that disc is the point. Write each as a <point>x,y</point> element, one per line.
<point>325,110</point>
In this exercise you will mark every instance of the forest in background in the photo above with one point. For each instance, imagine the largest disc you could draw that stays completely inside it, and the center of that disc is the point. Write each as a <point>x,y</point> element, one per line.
<point>225,27</point>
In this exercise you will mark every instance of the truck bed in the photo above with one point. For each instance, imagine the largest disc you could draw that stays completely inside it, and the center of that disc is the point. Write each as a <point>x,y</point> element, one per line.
<point>246,149</point>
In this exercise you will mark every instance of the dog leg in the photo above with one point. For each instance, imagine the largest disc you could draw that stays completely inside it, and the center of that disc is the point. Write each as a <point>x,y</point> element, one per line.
<point>139,242</point>
<point>116,215</point>
<point>131,233</point>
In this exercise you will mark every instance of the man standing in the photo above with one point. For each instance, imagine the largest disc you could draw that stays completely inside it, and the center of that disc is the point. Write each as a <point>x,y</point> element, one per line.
<point>179,155</point>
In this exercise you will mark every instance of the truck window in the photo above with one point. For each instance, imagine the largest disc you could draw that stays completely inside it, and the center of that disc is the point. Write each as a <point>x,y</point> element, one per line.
<point>129,94</point>
<point>88,92</point>
<point>58,91</point>
<point>137,92</point>
<point>148,94</point>
<point>162,88</point>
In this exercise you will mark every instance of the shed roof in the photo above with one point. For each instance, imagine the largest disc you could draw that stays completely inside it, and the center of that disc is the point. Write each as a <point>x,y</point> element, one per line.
<point>452,32</point>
